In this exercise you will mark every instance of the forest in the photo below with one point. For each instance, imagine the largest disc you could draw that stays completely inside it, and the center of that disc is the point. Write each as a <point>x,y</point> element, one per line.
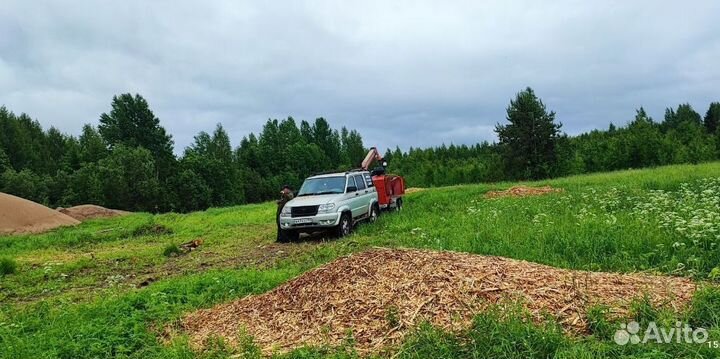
<point>127,161</point>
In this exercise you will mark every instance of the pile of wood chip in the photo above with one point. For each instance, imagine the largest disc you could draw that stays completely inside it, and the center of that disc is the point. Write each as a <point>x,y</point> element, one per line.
<point>85,212</point>
<point>381,294</point>
<point>522,191</point>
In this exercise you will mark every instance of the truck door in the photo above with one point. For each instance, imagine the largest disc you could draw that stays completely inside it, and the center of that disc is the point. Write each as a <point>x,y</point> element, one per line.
<point>364,192</point>
<point>354,198</point>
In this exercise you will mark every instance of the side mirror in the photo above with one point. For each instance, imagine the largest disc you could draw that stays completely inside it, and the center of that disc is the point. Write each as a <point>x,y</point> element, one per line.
<point>351,189</point>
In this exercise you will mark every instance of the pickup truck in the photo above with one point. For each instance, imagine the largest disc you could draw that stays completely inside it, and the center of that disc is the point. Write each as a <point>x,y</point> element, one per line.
<point>335,201</point>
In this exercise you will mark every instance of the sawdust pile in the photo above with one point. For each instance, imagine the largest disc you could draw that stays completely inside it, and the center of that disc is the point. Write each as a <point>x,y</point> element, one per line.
<point>20,216</point>
<point>91,211</point>
<point>446,288</point>
<point>522,191</point>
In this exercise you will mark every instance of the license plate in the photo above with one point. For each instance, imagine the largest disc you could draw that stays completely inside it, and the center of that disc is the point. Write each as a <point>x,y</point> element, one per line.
<point>303,220</point>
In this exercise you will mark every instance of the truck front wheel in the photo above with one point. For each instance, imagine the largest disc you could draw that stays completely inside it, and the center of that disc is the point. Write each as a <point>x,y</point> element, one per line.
<point>345,226</point>
<point>288,235</point>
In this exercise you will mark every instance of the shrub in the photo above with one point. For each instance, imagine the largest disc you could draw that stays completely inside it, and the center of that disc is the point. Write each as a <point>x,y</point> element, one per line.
<point>7,266</point>
<point>172,250</point>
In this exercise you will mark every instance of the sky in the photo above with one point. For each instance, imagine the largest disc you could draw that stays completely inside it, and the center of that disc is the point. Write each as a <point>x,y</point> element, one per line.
<point>405,73</point>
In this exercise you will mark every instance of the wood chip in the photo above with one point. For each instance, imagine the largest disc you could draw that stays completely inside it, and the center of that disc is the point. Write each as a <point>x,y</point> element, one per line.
<point>357,293</point>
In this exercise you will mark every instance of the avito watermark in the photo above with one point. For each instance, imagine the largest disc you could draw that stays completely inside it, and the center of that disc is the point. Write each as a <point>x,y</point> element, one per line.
<point>631,333</point>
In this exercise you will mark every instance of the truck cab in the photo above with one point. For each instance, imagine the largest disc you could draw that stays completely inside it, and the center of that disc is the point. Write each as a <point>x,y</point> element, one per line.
<point>335,201</point>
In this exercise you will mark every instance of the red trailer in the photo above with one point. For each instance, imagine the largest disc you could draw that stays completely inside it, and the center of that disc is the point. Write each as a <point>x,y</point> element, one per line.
<point>390,188</point>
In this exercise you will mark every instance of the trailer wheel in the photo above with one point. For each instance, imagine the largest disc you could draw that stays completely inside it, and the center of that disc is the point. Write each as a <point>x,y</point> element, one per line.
<point>344,227</point>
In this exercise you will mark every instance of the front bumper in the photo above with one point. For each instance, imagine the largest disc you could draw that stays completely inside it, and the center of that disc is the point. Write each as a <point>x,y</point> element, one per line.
<point>320,220</point>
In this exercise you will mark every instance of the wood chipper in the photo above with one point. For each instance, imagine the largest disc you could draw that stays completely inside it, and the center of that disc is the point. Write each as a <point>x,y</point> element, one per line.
<point>390,188</point>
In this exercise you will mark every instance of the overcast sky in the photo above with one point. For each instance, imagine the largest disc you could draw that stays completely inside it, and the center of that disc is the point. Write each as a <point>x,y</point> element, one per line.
<point>402,73</point>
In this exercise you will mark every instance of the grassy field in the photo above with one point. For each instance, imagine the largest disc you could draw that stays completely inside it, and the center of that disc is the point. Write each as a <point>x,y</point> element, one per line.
<point>107,287</point>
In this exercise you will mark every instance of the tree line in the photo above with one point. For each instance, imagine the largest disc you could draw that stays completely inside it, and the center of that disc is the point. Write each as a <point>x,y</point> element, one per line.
<point>127,161</point>
<point>532,146</point>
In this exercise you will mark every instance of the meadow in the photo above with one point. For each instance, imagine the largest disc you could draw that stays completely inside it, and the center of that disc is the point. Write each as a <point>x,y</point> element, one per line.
<point>108,287</point>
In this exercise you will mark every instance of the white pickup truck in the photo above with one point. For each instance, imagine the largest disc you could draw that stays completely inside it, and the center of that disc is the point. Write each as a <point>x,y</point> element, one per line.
<point>330,201</point>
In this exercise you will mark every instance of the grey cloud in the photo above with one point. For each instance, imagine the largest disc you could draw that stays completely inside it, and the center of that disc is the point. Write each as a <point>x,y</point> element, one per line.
<point>403,73</point>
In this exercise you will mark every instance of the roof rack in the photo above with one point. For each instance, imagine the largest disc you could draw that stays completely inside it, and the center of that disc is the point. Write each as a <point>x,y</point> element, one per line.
<point>337,171</point>
<point>328,172</point>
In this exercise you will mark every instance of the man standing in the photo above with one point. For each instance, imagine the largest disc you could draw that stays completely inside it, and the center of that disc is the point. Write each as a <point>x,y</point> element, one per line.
<point>285,196</point>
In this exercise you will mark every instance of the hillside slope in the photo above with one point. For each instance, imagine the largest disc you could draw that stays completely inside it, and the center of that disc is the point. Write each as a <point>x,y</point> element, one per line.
<point>111,284</point>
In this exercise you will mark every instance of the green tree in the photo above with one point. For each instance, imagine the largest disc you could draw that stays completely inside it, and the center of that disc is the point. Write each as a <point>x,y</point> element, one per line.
<point>86,186</point>
<point>685,113</point>
<point>352,147</point>
<point>55,150</point>
<point>211,158</point>
<point>26,184</point>
<point>712,118</point>
<point>4,161</point>
<point>129,179</point>
<point>328,141</point>
<point>190,192</point>
<point>59,189</point>
<point>644,140</point>
<point>92,146</point>
<point>131,123</point>
<point>674,119</point>
<point>529,141</point>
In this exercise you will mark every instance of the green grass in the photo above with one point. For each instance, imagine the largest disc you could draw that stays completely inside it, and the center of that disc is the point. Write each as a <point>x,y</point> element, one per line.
<point>172,249</point>
<point>7,266</point>
<point>107,288</point>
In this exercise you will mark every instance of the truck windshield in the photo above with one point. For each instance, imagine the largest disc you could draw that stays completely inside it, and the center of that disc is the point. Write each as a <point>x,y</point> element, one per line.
<point>323,185</point>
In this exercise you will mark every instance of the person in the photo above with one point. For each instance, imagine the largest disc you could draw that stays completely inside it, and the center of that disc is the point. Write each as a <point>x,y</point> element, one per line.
<point>286,195</point>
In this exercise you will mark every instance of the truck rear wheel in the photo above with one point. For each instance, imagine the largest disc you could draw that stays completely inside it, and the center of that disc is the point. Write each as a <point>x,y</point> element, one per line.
<point>345,226</point>
<point>374,213</point>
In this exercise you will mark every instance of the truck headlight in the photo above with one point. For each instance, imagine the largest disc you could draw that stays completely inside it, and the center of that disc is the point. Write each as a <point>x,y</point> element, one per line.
<point>326,207</point>
<point>285,212</point>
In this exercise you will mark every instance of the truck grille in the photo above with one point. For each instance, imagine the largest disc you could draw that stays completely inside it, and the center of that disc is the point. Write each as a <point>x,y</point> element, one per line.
<point>303,211</point>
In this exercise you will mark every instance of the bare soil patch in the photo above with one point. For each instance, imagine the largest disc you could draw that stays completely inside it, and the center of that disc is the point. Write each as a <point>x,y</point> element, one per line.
<point>522,191</point>
<point>381,294</point>
<point>90,211</point>
<point>20,216</point>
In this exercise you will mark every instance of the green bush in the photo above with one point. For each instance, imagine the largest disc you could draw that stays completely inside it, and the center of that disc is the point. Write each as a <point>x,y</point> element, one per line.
<point>172,250</point>
<point>7,266</point>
